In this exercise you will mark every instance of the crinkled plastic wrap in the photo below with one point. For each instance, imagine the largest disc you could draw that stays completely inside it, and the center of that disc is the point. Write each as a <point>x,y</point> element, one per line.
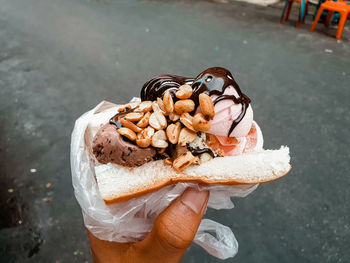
<point>132,220</point>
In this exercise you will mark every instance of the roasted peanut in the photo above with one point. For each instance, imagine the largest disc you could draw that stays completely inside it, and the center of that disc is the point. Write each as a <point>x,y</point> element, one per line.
<point>206,105</point>
<point>161,150</point>
<point>173,116</point>
<point>159,139</point>
<point>146,133</point>
<point>168,161</point>
<point>200,123</point>
<point>149,131</point>
<point>168,102</point>
<point>127,133</point>
<point>173,132</point>
<point>128,124</point>
<point>156,107</point>
<point>134,116</point>
<point>161,104</point>
<point>184,92</point>
<point>145,106</point>
<point>143,143</point>
<point>187,120</point>
<point>182,106</point>
<point>144,121</point>
<point>124,108</point>
<point>183,161</point>
<point>144,138</point>
<point>157,120</point>
<point>186,136</point>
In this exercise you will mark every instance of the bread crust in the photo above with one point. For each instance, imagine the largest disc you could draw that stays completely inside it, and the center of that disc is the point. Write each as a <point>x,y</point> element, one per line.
<point>89,133</point>
<point>185,180</point>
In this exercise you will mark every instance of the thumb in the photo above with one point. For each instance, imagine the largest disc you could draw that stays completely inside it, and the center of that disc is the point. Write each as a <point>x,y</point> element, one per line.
<point>175,227</point>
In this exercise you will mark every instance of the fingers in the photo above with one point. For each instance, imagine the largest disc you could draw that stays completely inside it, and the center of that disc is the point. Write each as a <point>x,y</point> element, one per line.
<point>175,228</point>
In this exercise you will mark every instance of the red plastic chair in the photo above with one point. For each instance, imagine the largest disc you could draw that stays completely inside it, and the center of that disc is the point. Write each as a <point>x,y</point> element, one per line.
<point>288,8</point>
<point>341,7</point>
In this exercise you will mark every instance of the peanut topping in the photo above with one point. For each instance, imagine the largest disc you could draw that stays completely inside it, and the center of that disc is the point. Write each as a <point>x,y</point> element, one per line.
<point>173,132</point>
<point>168,102</point>
<point>145,106</point>
<point>200,123</point>
<point>134,116</point>
<point>161,104</point>
<point>186,136</point>
<point>207,105</point>
<point>161,150</point>
<point>144,138</point>
<point>174,117</point>
<point>143,143</point>
<point>149,131</point>
<point>184,92</point>
<point>156,107</point>
<point>187,120</point>
<point>144,121</point>
<point>127,133</point>
<point>159,139</point>
<point>146,133</point>
<point>167,161</point>
<point>160,122</point>
<point>128,124</point>
<point>157,120</point>
<point>182,106</point>
<point>125,108</point>
<point>183,161</point>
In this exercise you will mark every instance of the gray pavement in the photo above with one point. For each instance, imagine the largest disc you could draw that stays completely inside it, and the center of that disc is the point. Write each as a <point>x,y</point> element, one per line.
<point>59,58</point>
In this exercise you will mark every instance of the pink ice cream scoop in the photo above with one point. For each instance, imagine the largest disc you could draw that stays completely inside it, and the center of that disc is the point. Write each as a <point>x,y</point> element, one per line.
<point>227,111</point>
<point>252,142</point>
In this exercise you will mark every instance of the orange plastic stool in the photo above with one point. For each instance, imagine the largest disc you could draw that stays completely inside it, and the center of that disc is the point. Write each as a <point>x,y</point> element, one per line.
<point>286,12</point>
<point>341,7</point>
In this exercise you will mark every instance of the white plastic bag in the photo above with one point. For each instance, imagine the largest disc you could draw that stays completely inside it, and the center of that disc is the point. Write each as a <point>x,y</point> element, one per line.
<point>132,220</point>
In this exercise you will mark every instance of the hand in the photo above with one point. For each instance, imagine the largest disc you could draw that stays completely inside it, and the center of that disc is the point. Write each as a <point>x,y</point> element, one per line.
<point>172,234</point>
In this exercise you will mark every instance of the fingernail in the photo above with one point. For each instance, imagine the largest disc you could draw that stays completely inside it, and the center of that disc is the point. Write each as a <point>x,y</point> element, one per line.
<point>195,199</point>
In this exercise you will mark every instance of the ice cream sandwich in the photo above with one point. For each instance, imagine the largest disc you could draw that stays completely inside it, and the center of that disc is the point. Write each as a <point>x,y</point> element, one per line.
<point>184,129</point>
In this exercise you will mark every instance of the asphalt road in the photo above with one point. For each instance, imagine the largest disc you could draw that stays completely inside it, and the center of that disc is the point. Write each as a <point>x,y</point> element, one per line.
<point>59,58</point>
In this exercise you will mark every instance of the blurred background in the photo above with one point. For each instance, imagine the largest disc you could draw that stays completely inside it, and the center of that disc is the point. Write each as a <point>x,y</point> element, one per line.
<point>60,58</point>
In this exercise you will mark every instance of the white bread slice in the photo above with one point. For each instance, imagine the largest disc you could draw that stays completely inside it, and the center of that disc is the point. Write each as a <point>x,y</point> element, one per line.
<point>118,183</point>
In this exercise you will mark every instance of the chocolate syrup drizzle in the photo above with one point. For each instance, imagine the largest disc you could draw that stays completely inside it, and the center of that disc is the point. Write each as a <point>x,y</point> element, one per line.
<point>115,119</point>
<point>212,81</point>
<point>157,86</point>
<point>198,151</point>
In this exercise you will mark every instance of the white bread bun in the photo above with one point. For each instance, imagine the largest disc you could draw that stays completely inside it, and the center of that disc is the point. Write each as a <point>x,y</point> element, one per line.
<point>118,183</point>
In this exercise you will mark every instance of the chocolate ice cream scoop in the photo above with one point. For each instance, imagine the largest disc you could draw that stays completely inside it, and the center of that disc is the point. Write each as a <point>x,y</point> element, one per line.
<point>110,147</point>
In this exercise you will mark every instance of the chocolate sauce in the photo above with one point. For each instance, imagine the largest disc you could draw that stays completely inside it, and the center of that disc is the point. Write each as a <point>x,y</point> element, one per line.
<point>116,123</point>
<point>115,119</point>
<point>157,86</point>
<point>198,151</point>
<point>212,81</point>
<point>159,157</point>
